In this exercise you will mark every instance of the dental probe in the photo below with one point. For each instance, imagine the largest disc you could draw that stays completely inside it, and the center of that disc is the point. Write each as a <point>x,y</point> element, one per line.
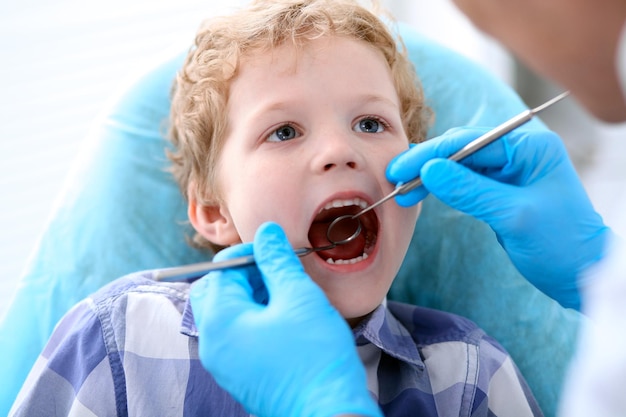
<point>185,272</point>
<point>470,148</point>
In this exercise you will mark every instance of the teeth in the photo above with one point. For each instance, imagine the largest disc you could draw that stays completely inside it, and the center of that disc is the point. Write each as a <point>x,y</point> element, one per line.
<point>347,261</point>
<point>345,203</point>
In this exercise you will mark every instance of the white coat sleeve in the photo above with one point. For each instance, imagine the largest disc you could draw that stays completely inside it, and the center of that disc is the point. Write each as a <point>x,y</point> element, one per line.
<point>596,383</point>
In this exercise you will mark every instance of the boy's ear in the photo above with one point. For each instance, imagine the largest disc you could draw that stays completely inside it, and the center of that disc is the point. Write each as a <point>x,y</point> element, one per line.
<point>213,222</point>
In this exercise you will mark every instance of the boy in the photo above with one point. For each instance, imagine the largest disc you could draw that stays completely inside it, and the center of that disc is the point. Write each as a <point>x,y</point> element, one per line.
<point>288,111</point>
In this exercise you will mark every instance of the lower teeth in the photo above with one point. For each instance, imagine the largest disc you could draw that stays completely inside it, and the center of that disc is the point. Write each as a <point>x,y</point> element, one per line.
<point>347,261</point>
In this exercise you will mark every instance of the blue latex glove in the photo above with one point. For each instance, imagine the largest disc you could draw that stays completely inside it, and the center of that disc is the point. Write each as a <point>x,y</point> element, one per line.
<point>292,356</point>
<point>525,187</point>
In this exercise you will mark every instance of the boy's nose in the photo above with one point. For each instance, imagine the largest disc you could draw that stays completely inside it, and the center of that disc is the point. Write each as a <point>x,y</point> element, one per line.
<point>349,164</point>
<point>338,151</point>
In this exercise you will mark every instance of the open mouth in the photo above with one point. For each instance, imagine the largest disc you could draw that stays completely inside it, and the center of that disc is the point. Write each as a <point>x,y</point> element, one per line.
<point>357,249</point>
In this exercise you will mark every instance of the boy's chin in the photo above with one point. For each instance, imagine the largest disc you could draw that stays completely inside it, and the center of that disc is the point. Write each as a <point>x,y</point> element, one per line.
<point>356,315</point>
<point>355,321</point>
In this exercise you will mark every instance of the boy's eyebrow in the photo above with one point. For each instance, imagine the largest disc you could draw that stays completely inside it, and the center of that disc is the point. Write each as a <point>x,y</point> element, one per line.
<point>286,105</point>
<point>378,98</point>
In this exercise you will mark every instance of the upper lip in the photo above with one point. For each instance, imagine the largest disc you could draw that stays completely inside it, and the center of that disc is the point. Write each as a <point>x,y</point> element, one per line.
<point>357,198</point>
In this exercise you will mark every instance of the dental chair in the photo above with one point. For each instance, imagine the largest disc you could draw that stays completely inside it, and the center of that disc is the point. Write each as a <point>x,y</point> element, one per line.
<point>121,212</point>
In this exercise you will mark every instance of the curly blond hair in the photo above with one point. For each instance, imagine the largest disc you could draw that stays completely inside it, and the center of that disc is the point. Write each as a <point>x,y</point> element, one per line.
<point>198,120</point>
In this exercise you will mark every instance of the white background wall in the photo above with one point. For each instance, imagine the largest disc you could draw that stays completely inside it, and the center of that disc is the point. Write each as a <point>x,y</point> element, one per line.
<point>63,60</point>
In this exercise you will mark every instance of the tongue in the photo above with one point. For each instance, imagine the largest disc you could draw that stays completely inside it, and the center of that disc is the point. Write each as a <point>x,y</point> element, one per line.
<point>350,250</point>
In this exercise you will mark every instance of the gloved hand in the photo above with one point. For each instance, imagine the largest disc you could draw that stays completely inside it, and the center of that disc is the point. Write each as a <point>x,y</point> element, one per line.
<point>525,187</point>
<point>294,356</point>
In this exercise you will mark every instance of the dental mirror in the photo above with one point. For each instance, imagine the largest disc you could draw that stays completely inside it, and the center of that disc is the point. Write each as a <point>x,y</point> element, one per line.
<point>340,231</point>
<point>470,148</point>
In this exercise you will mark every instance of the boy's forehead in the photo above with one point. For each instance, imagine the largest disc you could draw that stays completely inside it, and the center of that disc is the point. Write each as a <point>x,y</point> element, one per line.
<point>341,70</point>
<point>279,58</point>
<point>285,57</point>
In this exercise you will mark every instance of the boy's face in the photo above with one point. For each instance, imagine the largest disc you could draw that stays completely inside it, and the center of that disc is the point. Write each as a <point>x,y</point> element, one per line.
<point>310,128</point>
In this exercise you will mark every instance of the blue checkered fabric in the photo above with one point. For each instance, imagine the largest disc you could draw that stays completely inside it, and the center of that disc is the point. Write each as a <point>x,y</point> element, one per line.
<point>132,350</point>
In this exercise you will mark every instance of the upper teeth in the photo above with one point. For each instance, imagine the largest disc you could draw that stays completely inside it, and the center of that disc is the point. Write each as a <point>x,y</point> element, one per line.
<point>345,203</point>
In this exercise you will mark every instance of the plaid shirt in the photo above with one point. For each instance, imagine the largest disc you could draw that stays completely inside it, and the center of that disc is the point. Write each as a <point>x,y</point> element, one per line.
<point>132,350</point>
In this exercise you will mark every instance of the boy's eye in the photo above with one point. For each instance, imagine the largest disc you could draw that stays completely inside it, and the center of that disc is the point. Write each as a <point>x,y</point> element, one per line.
<point>369,125</point>
<point>283,133</point>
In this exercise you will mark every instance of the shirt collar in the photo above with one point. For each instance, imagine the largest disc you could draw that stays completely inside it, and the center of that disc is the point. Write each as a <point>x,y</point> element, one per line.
<point>188,324</point>
<point>380,328</point>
